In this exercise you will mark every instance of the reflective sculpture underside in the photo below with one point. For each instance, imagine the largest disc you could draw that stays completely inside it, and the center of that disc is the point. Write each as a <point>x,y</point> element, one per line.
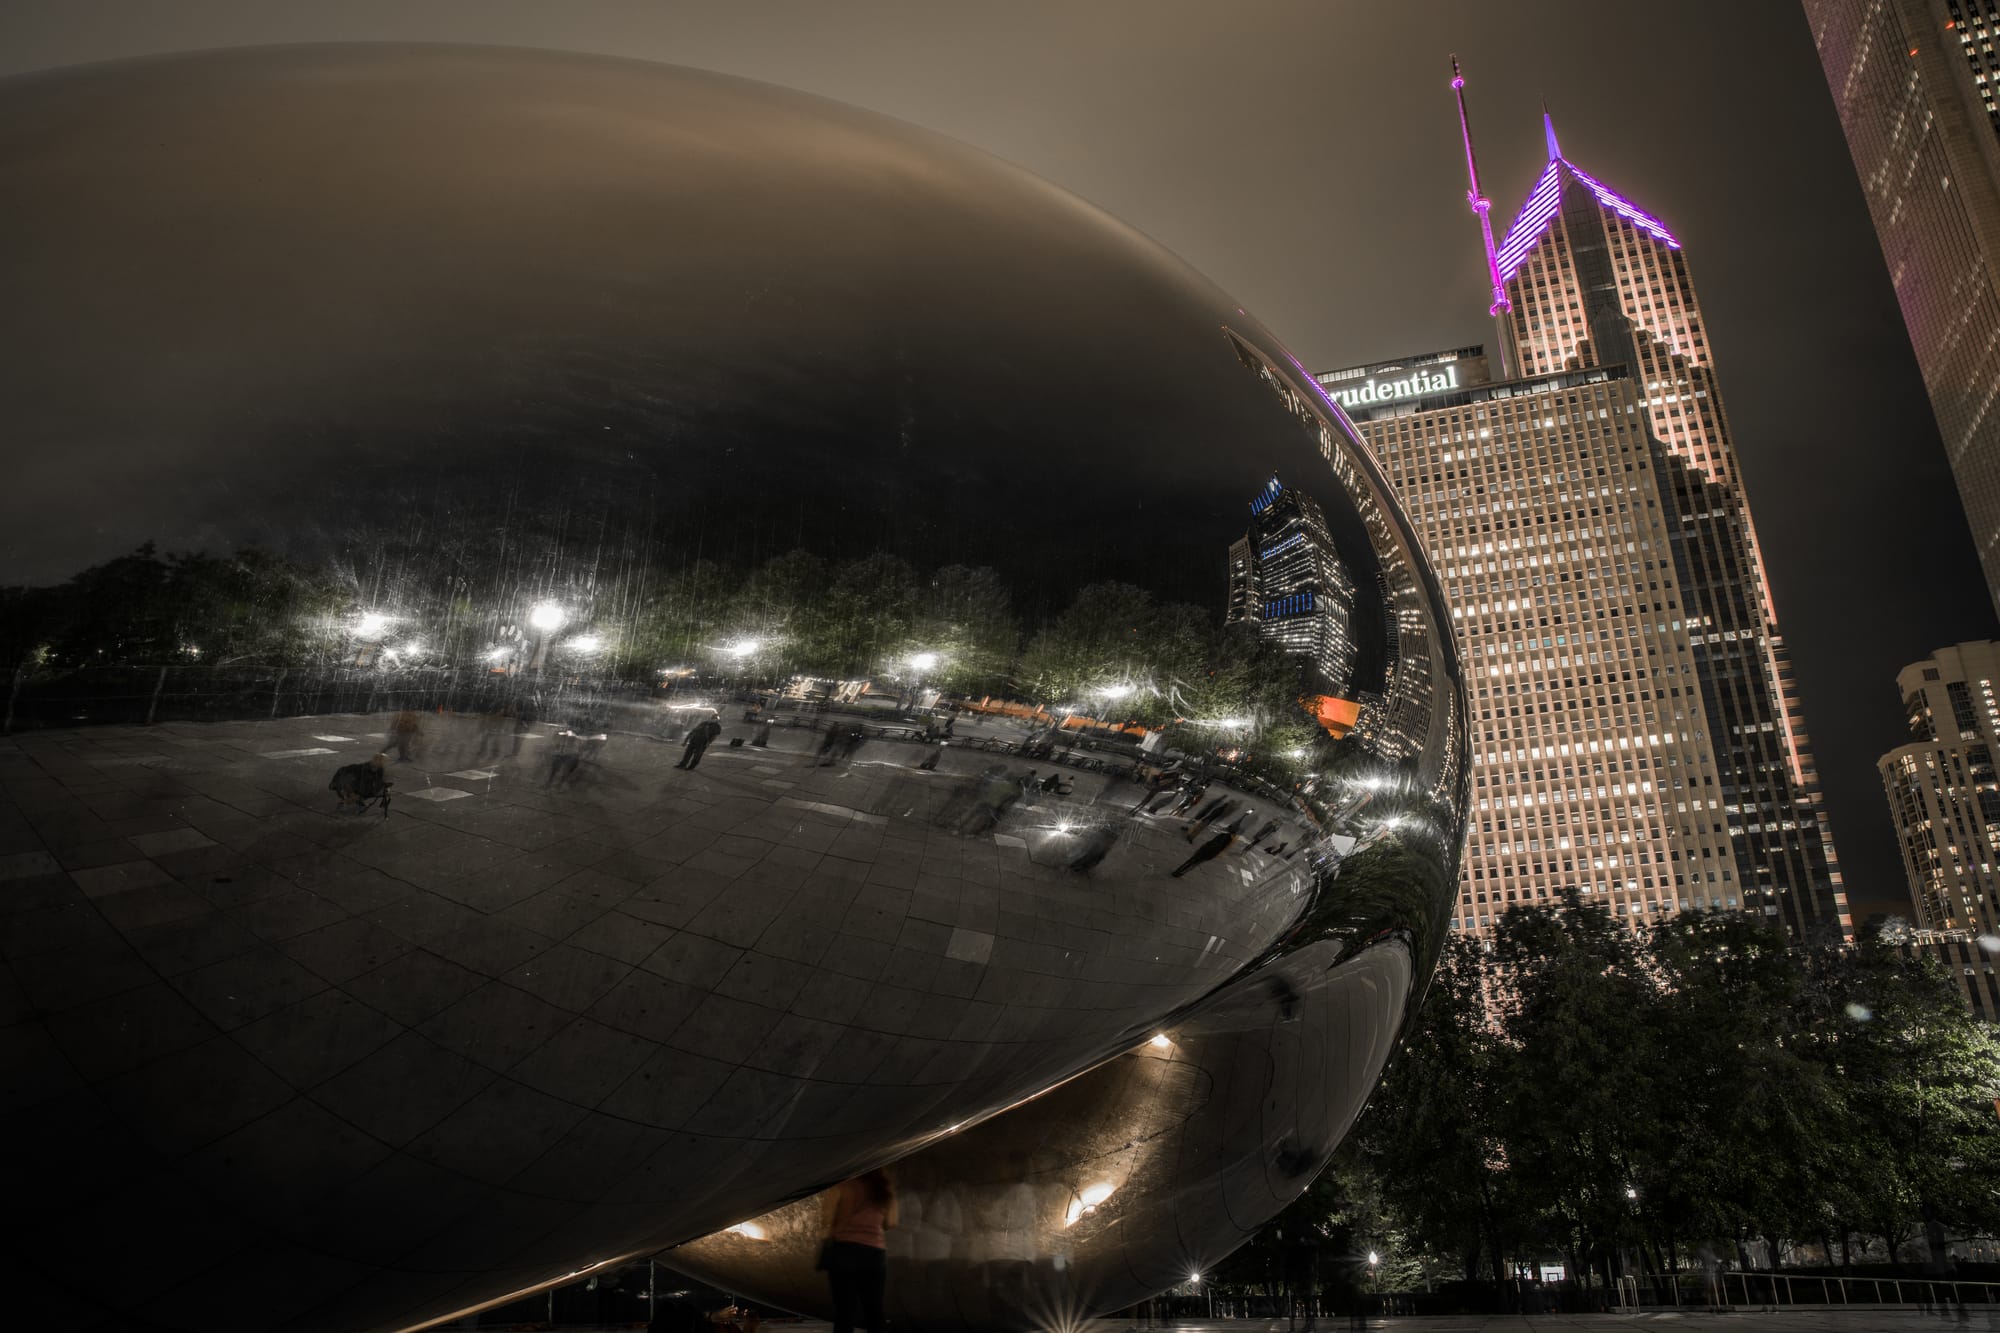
<point>877,663</point>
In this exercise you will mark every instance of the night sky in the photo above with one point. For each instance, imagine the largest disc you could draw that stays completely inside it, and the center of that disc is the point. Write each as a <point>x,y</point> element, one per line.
<point>1305,157</point>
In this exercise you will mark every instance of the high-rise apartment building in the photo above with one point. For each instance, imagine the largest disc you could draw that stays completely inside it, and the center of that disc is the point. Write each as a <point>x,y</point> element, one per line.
<point>1287,579</point>
<point>1944,793</point>
<point>1635,733</point>
<point>1915,83</point>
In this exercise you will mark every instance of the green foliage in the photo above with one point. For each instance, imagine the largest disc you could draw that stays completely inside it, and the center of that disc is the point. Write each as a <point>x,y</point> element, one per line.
<point>193,608</point>
<point>1632,1099</point>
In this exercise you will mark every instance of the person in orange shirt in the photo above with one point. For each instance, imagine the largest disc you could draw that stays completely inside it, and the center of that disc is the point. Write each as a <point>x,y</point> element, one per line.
<point>853,1217</point>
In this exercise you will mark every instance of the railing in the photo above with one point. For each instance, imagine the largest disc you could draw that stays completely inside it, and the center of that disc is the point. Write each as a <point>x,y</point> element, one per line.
<point>1733,1290</point>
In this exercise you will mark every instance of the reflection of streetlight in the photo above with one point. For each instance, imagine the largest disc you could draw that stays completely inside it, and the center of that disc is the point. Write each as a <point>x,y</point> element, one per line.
<point>547,616</point>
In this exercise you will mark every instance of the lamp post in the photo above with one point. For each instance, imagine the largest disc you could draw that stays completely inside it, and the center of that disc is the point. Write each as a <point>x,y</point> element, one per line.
<point>545,619</point>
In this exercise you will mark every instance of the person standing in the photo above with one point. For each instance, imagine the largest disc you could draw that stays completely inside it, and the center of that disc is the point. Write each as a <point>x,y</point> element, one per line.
<point>698,742</point>
<point>402,732</point>
<point>854,1215</point>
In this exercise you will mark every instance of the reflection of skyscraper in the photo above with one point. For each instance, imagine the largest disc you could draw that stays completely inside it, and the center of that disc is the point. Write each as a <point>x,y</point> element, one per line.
<point>1286,578</point>
<point>1943,792</point>
<point>1915,83</point>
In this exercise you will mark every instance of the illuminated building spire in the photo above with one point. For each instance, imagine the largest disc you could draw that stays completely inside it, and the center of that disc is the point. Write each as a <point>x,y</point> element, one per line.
<point>1549,135</point>
<point>1481,205</point>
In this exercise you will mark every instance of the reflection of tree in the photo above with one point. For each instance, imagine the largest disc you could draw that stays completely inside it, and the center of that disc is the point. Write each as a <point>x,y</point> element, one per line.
<point>145,607</point>
<point>1115,648</point>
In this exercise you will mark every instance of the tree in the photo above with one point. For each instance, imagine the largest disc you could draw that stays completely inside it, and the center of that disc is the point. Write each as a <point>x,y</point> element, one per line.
<point>1583,1101</point>
<point>1432,1133</point>
<point>1921,1078</point>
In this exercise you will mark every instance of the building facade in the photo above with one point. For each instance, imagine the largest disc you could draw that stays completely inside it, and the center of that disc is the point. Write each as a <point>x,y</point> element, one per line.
<point>1944,795</point>
<point>1594,280</point>
<point>1594,758</point>
<point>1915,84</point>
<point>1287,578</point>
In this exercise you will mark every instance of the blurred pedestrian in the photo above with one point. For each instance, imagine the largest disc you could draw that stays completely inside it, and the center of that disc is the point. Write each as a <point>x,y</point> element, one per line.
<point>1209,813</point>
<point>403,732</point>
<point>1208,851</point>
<point>854,1216</point>
<point>1094,847</point>
<point>524,722</point>
<point>492,723</point>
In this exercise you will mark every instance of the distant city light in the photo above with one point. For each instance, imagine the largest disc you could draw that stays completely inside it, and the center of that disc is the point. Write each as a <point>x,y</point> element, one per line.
<point>547,616</point>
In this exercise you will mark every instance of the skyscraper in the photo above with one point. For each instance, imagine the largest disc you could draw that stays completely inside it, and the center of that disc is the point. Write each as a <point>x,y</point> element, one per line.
<point>1635,732</point>
<point>1944,795</point>
<point>1915,83</point>
<point>1594,761</point>
<point>1287,579</point>
<point>1593,279</point>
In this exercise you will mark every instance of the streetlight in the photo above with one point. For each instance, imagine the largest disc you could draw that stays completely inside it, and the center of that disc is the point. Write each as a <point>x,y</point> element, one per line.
<point>547,616</point>
<point>370,625</point>
<point>924,661</point>
<point>586,643</point>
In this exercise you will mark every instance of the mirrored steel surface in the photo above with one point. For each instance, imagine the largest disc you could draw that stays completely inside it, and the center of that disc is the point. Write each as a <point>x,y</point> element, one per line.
<point>1074,680</point>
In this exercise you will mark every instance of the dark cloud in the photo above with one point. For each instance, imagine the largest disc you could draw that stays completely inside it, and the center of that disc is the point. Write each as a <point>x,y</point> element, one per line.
<point>1304,157</point>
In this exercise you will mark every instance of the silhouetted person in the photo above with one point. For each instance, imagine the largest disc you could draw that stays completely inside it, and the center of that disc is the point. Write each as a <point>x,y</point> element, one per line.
<point>1159,788</point>
<point>1208,814</point>
<point>358,784</point>
<point>698,742</point>
<point>829,745</point>
<point>563,759</point>
<point>1189,795</point>
<point>930,761</point>
<point>492,722</point>
<point>524,722</point>
<point>1208,851</point>
<point>851,744</point>
<point>854,1215</point>
<point>405,729</point>
<point>1270,827</point>
<point>1053,782</point>
<point>997,794</point>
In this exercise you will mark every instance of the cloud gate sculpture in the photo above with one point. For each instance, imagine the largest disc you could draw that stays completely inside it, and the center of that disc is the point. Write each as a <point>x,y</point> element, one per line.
<point>877,663</point>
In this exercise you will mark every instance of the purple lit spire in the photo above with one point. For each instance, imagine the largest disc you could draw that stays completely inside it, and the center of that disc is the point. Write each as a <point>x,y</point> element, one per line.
<point>1532,222</point>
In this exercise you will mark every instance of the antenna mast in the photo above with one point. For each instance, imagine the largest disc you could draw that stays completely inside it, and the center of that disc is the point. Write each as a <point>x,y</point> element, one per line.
<point>1482,208</point>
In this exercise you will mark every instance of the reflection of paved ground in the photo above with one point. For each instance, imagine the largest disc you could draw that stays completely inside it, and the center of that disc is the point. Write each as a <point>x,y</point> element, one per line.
<point>1980,1320</point>
<point>763,917</point>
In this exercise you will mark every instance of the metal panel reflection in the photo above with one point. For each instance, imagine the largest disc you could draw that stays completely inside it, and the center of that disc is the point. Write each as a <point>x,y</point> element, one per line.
<point>860,644</point>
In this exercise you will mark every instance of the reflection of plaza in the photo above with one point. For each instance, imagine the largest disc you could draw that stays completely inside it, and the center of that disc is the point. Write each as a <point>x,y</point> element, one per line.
<point>791,635</point>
